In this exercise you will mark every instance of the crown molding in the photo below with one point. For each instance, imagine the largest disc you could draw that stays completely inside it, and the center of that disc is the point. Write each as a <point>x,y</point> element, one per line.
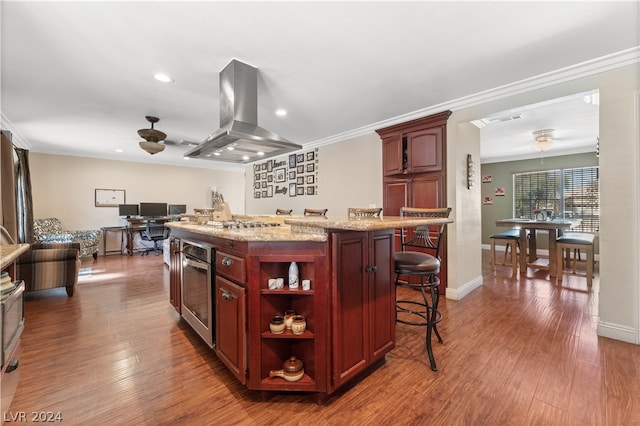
<point>562,75</point>
<point>16,137</point>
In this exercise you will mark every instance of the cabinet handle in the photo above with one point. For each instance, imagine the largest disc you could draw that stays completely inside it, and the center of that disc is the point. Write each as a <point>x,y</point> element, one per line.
<point>226,296</point>
<point>230,243</point>
<point>372,269</point>
<point>227,261</point>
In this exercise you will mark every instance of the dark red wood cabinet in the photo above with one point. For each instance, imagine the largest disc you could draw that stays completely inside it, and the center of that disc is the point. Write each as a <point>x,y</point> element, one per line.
<point>414,168</point>
<point>363,328</point>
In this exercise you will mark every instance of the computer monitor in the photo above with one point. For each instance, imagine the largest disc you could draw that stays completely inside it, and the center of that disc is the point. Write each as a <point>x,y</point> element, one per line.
<point>127,210</point>
<point>153,209</point>
<point>176,209</point>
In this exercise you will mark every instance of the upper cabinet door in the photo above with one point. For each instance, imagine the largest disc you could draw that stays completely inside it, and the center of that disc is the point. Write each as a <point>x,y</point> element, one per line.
<point>392,156</point>
<point>424,150</point>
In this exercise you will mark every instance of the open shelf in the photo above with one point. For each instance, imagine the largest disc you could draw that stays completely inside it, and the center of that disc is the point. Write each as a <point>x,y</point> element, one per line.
<point>287,334</point>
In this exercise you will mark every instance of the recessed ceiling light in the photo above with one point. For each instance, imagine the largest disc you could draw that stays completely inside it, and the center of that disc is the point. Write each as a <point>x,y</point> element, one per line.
<point>260,153</point>
<point>230,148</point>
<point>119,150</point>
<point>281,112</point>
<point>163,78</point>
<point>216,153</point>
<point>245,157</point>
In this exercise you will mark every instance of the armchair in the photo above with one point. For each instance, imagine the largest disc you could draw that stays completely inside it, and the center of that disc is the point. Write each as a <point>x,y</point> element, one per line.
<point>46,266</point>
<point>50,230</point>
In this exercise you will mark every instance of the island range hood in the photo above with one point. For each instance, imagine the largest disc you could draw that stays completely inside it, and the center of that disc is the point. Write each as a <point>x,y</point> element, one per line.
<point>240,139</point>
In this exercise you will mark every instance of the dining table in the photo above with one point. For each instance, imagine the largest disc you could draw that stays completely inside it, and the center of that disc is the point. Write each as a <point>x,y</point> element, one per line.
<point>528,229</point>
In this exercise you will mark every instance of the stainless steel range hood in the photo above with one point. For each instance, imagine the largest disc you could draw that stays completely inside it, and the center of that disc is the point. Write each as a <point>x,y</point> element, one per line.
<point>240,139</point>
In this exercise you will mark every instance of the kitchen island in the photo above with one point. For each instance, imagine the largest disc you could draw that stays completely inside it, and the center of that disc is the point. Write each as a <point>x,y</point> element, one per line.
<point>349,309</point>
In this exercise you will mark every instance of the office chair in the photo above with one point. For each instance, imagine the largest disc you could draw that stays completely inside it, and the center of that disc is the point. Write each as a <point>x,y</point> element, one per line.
<point>156,232</point>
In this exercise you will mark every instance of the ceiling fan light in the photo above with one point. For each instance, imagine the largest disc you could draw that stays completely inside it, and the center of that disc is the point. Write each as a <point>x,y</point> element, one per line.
<point>152,147</point>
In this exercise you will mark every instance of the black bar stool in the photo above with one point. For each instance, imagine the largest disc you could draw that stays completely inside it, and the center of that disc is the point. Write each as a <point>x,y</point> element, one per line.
<point>426,267</point>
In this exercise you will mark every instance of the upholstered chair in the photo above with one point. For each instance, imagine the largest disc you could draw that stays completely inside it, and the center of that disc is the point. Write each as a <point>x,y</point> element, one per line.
<point>50,230</point>
<point>47,266</point>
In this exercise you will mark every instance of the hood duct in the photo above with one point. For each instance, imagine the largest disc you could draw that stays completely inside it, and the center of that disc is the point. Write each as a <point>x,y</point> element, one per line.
<point>240,139</point>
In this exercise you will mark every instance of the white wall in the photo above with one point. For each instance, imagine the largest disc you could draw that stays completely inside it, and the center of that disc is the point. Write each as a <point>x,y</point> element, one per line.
<point>349,175</point>
<point>64,187</point>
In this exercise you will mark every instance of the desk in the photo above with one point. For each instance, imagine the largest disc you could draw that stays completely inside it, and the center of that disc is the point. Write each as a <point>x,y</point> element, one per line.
<point>553,227</point>
<point>138,224</point>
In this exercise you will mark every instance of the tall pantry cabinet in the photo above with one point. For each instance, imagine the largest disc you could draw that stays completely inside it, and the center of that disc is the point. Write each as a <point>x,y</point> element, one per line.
<point>414,168</point>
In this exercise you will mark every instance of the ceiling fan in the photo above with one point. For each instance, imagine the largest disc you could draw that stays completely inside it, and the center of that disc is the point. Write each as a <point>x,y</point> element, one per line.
<point>543,139</point>
<point>152,137</point>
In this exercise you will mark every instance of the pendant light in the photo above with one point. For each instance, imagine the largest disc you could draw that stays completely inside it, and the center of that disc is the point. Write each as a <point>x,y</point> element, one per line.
<point>152,137</point>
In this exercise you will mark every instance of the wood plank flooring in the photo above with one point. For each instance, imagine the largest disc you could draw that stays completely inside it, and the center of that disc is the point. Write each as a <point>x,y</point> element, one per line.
<point>516,351</point>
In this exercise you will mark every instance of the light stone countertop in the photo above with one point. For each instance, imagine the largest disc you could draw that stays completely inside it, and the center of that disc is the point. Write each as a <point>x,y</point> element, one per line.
<point>303,228</point>
<point>276,233</point>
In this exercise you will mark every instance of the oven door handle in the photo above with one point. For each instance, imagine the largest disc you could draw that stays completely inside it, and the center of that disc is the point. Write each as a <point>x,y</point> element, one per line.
<point>196,264</point>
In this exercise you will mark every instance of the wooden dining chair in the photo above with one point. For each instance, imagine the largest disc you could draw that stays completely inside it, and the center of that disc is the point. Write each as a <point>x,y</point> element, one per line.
<point>362,212</point>
<point>315,212</point>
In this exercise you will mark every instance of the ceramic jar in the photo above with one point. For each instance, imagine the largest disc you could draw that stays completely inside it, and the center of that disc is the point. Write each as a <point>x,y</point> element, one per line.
<point>277,324</point>
<point>292,370</point>
<point>288,318</point>
<point>299,324</point>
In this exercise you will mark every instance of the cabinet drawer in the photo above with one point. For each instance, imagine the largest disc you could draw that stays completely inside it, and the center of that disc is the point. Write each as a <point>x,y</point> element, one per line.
<point>230,266</point>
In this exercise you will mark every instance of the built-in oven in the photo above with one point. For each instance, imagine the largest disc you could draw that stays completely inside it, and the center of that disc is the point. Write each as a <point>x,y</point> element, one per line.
<point>198,298</point>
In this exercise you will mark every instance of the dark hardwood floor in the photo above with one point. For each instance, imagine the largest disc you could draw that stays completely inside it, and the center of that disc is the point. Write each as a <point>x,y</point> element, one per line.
<point>516,351</point>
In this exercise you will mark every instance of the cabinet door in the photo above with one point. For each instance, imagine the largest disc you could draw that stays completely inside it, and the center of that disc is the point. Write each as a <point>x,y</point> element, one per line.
<point>231,341</point>
<point>392,155</point>
<point>175,274</point>
<point>382,302</point>
<point>427,191</point>
<point>396,195</point>
<point>424,150</point>
<point>350,295</point>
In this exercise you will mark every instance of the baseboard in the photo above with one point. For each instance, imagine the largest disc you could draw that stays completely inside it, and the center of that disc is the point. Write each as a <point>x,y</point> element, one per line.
<point>459,293</point>
<point>618,332</point>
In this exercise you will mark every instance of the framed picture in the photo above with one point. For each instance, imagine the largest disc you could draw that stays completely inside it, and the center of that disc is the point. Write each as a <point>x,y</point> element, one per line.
<point>486,179</point>
<point>300,158</point>
<point>263,175</point>
<point>310,156</point>
<point>110,197</point>
<point>300,190</point>
<point>292,190</point>
<point>310,179</point>
<point>256,176</point>
<point>300,180</point>
<point>264,184</point>
<point>264,194</point>
<point>310,190</point>
<point>292,175</point>
<point>281,175</point>
<point>269,166</point>
<point>269,191</point>
<point>292,161</point>
<point>256,194</point>
<point>264,166</point>
<point>500,191</point>
<point>300,169</point>
<point>256,185</point>
<point>270,178</point>
<point>311,167</point>
<point>487,200</point>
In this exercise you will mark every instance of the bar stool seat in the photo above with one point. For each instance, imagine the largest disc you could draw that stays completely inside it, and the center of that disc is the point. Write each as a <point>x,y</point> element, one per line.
<point>511,240</point>
<point>575,241</point>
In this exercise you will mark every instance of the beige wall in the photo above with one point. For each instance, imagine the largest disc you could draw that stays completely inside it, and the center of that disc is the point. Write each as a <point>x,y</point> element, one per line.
<point>349,175</point>
<point>619,183</point>
<point>64,187</point>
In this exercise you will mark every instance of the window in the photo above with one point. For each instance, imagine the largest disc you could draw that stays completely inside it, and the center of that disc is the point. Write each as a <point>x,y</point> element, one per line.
<point>568,193</point>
